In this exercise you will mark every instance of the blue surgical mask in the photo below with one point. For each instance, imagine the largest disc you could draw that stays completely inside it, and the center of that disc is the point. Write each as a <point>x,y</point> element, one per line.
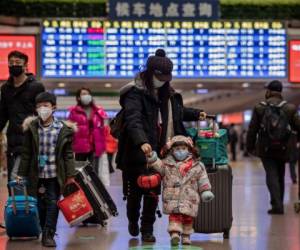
<point>181,154</point>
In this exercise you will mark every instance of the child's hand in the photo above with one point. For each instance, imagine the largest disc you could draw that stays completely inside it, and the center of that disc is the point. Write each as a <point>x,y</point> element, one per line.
<point>19,179</point>
<point>152,157</point>
<point>207,196</point>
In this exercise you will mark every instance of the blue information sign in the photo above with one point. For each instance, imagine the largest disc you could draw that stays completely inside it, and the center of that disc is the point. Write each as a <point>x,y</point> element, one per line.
<point>106,49</point>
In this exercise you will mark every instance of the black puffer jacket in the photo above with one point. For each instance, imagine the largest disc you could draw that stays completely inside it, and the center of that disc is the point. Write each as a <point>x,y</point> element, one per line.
<point>141,125</point>
<point>17,104</point>
<point>254,143</point>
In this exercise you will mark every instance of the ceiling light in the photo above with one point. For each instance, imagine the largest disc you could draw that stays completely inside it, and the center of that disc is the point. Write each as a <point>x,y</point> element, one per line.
<point>246,85</point>
<point>61,85</point>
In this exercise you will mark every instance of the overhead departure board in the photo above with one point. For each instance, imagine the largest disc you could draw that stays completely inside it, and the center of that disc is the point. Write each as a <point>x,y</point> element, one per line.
<point>106,49</point>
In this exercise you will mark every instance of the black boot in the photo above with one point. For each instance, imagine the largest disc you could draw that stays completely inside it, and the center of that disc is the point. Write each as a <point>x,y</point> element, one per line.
<point>48,238</point>
<point>133,228</point>
<point>148,237</point>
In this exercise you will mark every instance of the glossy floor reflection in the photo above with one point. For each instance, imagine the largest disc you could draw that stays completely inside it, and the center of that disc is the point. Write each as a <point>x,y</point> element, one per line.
<point>252,227</point>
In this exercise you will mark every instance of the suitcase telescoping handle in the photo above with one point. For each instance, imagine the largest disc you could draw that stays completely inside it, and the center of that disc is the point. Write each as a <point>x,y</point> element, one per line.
<point>214,131</point>
<point>214,119</point>
<point>12,185</point>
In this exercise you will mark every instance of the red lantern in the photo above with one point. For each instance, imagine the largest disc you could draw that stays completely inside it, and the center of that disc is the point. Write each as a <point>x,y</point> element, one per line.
<point>149,181</point>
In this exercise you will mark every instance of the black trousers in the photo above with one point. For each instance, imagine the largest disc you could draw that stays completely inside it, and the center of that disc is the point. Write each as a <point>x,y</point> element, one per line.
<point>293,165</point>
<point>275,172</point>
<point>110,157</point>
<point>233,151</point>
<point>135,195</point>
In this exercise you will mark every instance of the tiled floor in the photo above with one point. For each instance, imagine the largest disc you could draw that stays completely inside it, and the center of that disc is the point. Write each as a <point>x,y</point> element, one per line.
<point>252,227</point>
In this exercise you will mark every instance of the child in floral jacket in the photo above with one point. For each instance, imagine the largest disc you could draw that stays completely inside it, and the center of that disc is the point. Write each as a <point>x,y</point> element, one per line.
<point>185,181</point>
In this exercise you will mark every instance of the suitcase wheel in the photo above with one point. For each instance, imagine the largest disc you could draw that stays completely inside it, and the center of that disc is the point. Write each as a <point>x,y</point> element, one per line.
<point>297,207</point>
<point>226,234</point>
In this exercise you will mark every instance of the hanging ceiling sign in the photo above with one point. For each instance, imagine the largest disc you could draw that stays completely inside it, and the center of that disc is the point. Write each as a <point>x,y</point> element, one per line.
<point>163,10</point>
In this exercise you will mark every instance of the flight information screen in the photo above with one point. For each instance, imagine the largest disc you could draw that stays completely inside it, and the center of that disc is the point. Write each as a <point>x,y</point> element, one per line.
<point>113,49</point>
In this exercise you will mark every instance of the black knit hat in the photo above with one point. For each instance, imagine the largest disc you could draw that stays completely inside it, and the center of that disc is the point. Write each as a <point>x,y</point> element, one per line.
<point>161,65</point>
<point>274,85</point>
<point>45,97</point>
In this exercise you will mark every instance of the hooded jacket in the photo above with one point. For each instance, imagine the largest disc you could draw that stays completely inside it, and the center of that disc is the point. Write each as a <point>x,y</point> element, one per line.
<point>16,104</point>
<point>253,143</point>
<point>183,182</point>
<point>29,158</point>
<point>141,112</point>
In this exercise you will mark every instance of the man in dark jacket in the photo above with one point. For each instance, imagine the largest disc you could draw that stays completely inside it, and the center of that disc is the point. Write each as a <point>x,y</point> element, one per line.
<point>153,113</point>
<point>17,102</point>
<point>273,159</point>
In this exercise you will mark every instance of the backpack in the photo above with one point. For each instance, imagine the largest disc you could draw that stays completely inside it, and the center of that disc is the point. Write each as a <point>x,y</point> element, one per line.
<point>117,124</point>
<point>275,128</point>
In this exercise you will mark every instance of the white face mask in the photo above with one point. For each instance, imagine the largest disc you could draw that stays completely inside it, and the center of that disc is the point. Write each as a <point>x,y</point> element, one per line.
<point>157,83</point>
<point>86,99</point>
<point>44,113</point>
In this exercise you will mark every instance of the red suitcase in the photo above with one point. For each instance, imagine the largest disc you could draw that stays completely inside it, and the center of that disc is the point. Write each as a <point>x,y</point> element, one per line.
<point>76,207</point>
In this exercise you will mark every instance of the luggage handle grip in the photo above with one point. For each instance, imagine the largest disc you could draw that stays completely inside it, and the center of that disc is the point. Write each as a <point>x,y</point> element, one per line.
<point>213,118</point>
<point>12,185</point>
<point>75,183</point>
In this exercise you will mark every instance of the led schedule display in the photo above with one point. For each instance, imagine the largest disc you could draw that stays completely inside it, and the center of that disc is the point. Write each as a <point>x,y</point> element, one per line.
<point>107,49</point>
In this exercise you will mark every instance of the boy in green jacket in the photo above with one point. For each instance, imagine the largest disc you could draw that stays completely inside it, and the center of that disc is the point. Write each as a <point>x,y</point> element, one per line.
<point>47,161</point>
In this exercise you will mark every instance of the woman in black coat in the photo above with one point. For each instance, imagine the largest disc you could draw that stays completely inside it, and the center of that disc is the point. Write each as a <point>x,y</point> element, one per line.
<point>153,112</point>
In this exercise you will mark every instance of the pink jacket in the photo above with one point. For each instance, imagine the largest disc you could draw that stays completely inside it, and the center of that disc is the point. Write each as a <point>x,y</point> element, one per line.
<point>90,136</point>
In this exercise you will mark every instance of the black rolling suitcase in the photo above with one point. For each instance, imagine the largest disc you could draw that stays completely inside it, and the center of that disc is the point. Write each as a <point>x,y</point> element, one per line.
<point>216,216</point>
<point>101,201</point>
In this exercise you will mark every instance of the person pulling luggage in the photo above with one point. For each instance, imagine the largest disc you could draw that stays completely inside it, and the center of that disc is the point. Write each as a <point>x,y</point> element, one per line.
<point>152,112</point>
<point>185,182</point>
<point>47,162</point>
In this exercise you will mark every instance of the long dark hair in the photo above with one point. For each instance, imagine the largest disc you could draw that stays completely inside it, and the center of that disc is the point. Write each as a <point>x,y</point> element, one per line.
<point>78,92</point>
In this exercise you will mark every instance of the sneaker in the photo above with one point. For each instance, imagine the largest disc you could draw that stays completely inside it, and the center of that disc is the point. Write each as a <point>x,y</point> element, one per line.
<point>175,238</point>
<point>133,229</point>
<point>148,237</point>
<point>48,238</point>
<point>186,240</point>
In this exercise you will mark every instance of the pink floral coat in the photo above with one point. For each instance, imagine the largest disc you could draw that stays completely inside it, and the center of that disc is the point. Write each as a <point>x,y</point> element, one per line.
<point>181,193</point>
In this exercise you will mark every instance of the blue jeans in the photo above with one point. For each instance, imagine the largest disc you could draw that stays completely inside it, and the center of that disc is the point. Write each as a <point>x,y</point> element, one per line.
<point>47,203</point>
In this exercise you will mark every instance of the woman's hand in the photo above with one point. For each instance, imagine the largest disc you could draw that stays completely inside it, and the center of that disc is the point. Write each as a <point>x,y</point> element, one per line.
<point>202,116</point>
<point>147,149</point>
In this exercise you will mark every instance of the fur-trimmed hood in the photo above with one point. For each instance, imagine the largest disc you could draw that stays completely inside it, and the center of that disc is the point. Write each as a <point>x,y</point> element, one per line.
<point>137,82</point>
<point>29,120</point>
